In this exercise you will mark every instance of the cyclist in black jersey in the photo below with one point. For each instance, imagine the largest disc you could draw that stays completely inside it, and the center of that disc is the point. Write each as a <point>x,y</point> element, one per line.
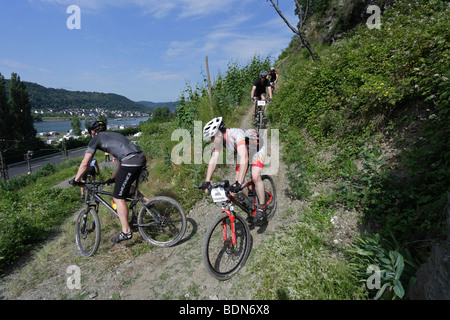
<point>130,162</point>
<point>259,90</point>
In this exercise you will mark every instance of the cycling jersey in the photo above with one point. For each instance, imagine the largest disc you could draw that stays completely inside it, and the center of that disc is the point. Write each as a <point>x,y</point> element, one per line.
<point>119,146</point>
<point>273,76</point>
<point>93,162</point>
<point>260,86</point>
<point>130,155</point>
<point>250,138</point>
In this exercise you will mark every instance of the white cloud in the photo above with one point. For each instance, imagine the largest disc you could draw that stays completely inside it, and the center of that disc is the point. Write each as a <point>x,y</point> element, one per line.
<point>177,48</point>
<point>14,64</point>
<point>158,76</point>
<point>156,8</point>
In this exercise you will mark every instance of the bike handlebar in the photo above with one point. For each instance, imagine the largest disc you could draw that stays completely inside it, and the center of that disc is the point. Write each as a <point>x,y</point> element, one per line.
<point>225,184</point>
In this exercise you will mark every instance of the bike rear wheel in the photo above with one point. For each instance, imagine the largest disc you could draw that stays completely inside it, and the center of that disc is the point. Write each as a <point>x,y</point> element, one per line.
<point>221,258</point>
<point>162,221</point>
<point>87,232</point>
<point>270,196</point>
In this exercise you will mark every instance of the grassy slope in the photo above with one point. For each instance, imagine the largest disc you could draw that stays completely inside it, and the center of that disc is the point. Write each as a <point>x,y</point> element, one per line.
<point>335,118</point>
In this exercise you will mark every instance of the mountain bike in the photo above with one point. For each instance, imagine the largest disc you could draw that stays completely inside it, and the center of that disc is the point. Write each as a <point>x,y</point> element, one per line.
<point>161,220</point>
<point>227,242</point>
<point>260,119</point>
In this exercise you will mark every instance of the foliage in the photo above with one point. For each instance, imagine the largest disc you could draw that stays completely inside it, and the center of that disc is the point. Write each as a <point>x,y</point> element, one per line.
<point>17,121</point>
<point>43,98</point>
<point>29,217</point>
<point>76,126</point>
<point>364,84</point>
<point>233,88</point>
<point>391,263</point>
<point>162,114</point>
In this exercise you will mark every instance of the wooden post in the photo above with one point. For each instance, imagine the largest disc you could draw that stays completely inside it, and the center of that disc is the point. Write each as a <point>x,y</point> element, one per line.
<point>209,88</point>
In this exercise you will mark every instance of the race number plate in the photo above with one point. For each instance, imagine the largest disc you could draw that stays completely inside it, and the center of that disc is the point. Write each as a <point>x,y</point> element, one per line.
<point>261,103</point>
<point>218,194</point>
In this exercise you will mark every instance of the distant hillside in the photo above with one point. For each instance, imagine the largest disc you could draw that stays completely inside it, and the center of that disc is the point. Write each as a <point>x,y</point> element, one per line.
<point>43,98</point>
<point>172,105</point>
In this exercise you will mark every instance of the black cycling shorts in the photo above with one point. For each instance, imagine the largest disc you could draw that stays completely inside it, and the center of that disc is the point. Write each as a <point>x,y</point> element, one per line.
<point>90,171</point>
<point>258,95</point>
<point>125,177</point>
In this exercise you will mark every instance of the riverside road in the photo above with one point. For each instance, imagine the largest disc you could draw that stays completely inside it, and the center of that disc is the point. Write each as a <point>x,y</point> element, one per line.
<point>22,167</point>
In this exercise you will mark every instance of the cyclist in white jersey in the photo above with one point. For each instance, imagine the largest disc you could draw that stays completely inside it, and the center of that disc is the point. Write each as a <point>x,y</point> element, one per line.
<point>249,148</point>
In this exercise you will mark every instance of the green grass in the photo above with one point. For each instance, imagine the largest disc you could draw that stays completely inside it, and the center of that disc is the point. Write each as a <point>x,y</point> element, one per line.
<point>299,264</point>
<point>367,87</point>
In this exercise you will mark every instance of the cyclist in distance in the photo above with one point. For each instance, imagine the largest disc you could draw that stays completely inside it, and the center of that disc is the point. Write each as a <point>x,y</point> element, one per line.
<point>130,162</point>
<point>92,170</point>
<point>273,77</point>
<point>259,90</point>
<point>250,150</point>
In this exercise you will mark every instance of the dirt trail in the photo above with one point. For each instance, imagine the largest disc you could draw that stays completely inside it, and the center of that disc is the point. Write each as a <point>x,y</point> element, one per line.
<point>162,273</point>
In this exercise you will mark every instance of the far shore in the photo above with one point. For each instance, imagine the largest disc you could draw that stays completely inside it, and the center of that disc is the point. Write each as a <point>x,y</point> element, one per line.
<point>44,119</point>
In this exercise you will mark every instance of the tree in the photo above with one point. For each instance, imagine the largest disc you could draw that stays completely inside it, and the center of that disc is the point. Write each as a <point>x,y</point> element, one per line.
<point>5,113</point>
<point>76,126</point>
<point>22,121</point>
<point>302,13</point>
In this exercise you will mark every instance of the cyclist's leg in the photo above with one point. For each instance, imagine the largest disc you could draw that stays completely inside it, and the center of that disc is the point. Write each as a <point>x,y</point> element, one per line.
<point>263,98</point>
<point>259,185</point>
<point>257,167</point>
<point>256,97</point>
<point>124,179</point>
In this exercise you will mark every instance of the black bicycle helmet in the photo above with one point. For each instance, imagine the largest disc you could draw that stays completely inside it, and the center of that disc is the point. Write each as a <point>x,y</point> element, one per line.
<point>263,74</point>
<point>97,126</point>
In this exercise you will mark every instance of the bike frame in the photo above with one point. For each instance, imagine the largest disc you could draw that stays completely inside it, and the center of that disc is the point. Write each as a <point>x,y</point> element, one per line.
<point>97,199</point>
<point>230,212</point>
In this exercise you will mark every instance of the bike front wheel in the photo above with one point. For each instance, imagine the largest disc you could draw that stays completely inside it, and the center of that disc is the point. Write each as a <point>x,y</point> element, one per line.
<point>260,121</point>
<point>87,232</point>
<point>162,221</point>
<point>221,257</point>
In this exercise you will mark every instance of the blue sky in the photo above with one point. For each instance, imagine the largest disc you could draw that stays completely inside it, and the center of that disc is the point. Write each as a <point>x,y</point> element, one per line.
<point>142,49</point>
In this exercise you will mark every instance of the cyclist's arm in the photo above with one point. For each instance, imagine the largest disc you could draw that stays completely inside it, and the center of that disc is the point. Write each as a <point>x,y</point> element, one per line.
<point>85,163</point>
<point>270,91</point>
<point>212,164</point>
<point>253,91</point>
<point>243,162</point>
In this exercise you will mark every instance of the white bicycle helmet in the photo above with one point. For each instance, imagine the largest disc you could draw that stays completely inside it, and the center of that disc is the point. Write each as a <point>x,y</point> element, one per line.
<point>212,127</point>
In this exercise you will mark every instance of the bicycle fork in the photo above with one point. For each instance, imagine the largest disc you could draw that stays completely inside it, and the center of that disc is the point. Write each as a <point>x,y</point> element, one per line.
<point>224,226</point>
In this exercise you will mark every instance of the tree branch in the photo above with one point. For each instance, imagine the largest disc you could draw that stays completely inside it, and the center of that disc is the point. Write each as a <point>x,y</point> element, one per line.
<point>285,20</point>
<point>302,17</point>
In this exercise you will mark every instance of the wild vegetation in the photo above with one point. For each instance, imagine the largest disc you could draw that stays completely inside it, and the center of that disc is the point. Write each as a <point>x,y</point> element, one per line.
<point>369,88</point>
<point>364,128</point>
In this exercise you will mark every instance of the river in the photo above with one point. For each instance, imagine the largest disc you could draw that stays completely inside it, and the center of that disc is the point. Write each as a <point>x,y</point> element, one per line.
<point>64,126</point>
